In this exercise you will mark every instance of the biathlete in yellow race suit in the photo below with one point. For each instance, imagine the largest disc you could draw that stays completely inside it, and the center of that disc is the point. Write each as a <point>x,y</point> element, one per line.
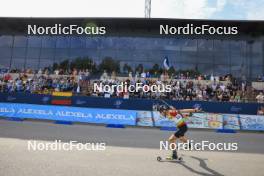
<point>180,121</point>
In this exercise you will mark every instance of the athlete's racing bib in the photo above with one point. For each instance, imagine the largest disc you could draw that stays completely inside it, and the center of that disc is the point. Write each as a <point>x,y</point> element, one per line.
<point>179,120</point>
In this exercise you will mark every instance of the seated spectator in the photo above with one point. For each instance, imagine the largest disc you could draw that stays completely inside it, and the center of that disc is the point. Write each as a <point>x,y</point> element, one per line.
<point>261,111</point>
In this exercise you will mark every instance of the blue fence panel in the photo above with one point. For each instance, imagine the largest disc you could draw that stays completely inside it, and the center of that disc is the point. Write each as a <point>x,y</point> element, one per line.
<point>134,104</point>
<point>113,103</point>
<point>147,104</point>
<point>116,117</point>
<point>219,107</point>
<point>66,113</point>
<point>25,98</point>
<point>249,122</point>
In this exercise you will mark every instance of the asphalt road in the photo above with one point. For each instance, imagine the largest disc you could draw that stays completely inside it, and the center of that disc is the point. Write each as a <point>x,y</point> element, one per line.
<point>128,137</point>
<point>129,151</point>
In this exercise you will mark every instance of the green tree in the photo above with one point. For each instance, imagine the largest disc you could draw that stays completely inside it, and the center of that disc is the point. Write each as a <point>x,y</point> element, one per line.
<point>64,65</point>
<point>155,69</point>
<point>139,68</point>
<point>83,64</point>
<point>55,66</point>
<point>127,68</point>
<point>171,71</point>
<point>109,65</point>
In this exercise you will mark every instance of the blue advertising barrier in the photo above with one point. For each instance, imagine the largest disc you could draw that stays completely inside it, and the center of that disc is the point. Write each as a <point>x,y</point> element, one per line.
<point>251,122</point>
<point>134,103</point>
<point>25,98</point>
<point>66,113</point>
<point>114,118</point>
<point>147,104</point>
<point>225,131</point>
<point>112,103</point>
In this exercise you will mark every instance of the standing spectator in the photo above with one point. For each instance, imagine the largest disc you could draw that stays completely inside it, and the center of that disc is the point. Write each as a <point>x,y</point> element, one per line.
<point>143,74</point>
<point>260,97</point>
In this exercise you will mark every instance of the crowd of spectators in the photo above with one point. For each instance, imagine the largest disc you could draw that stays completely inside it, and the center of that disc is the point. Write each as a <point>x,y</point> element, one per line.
<point>184,87</point>
<point>40,82</point>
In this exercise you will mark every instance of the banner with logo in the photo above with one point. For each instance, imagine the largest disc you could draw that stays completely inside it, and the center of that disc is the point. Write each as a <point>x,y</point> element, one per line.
<point>231,121</point>
<point>206,120</point>
<point>129,117</point>
<point>25,98</point>
<point>214,121</point>
<point>196,120</point>
<point>252,122</point>
<point>161,121</point>
<point>138,104</point>
<point>66,113</point>
<point>144,118</point>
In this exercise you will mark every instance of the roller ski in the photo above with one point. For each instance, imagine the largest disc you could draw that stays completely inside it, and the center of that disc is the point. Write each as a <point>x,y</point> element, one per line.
<point>173,157</point>
<point>160,159</point>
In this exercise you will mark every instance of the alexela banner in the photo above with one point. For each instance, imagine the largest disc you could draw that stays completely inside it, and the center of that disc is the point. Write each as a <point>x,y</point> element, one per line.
<point>66,113</point>
<point>129,117</point>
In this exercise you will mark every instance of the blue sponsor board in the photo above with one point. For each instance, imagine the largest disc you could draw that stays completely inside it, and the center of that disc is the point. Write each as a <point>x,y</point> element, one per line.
<point>219,107</point>
<point>197,120</point>
<point>67,113</point>
<point>205,120</point>
<point>161,121</point>
<point>252,122</point>
<point>112,103</point>
<point>128,117</point>
<point>144,118</point>
<point>231,121</point>
<point>134,103</point>
<point>25,98</point>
